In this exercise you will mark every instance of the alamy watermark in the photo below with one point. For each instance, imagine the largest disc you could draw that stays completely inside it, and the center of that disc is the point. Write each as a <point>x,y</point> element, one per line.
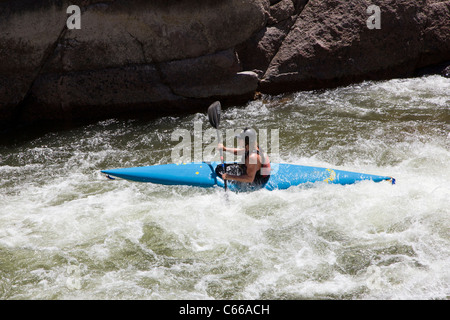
<point>74,20</point>
<point>374,21</point>
<point>73,281</point>
<point>202,145</point>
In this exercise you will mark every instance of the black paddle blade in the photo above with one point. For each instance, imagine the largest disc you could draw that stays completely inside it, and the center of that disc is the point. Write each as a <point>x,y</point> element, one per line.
<point>214,114</point>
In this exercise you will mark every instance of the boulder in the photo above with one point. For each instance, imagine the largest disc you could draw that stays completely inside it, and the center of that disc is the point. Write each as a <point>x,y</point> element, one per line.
<point>436,34</point>
<point>124,58</point>
<point>218,74</point>
<point>166,56</point>
<point>330,44</point>
<point>28,34</point>
<point>258,51</point>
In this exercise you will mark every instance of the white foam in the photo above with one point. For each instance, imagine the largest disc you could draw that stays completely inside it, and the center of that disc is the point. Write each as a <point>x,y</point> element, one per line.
<point>133,241</point>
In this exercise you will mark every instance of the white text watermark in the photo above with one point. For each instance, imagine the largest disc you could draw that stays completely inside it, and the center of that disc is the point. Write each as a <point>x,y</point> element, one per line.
<point>202,145</point>
<point>374,21</point>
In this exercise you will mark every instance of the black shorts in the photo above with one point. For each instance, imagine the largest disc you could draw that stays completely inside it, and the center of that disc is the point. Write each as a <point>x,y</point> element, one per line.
<point>238,169</point>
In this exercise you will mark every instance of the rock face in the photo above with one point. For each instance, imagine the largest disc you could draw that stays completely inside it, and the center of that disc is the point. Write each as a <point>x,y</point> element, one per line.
<point>161,56</point>
<point>330,43</point>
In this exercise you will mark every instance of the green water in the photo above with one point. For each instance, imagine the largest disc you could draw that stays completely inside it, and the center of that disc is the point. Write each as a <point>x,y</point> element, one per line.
<point>66,232</point>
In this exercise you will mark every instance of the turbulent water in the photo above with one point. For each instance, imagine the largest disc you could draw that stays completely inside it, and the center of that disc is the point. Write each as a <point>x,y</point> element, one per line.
<point>66,232</point>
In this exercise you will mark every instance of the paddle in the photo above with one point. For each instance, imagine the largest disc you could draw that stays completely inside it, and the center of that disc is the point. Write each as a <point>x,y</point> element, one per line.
<point>214,119</point>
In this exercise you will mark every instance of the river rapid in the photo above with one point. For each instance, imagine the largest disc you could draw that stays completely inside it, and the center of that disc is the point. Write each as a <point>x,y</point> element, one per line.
<point>67,232</point>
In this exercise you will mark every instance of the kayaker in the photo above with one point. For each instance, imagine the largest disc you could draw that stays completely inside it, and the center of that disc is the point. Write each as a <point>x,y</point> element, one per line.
<point>254,167</point>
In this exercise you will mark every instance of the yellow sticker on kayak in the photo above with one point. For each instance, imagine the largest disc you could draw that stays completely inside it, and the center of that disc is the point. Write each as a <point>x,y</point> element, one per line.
<point>332,176</point>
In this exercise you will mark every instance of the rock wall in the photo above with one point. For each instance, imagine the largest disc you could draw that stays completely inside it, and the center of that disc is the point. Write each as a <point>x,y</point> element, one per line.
<point>330,44</point>
<point>169,56</point>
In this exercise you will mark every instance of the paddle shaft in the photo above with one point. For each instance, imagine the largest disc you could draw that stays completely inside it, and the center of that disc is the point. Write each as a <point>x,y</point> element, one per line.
<point>221,157</point>
<point>214,111</point>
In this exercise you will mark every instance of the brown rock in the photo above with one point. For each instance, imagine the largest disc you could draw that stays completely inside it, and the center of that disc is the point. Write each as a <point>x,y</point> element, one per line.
<point>112,64</point>
<point>92,94</point>
<point>215,75</point>
<point>257,52</point>
<point>436,35</point>
<point>128,32</point>
<point>27,36</point>
<point>330,44</point>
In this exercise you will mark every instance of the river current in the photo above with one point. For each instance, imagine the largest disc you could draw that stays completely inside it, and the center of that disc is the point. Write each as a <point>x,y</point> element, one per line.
<point>67,232</point>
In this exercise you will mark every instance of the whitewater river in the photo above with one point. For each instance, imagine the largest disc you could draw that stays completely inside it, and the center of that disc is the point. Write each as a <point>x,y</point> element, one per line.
<point>67,232</point>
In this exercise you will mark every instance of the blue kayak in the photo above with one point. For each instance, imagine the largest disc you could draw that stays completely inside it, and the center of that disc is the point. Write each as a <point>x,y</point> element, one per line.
<point>283,175</point>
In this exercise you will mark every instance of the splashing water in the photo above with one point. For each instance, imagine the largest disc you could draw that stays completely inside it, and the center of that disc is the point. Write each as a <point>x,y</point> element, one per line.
<point>68,233</point>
